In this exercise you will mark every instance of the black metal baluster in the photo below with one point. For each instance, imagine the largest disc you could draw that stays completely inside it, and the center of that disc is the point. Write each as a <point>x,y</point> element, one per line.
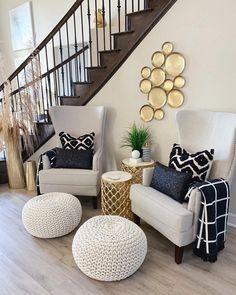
<point>126,25</point>
<point>76,49</point>
<point>55,72</point>
<point>34,86</point>
<point>18,85</point>
<point>46,91</point>
<point>82,33</point>
<point>96,26</point>
<point>90,36</point>
<point>138,5</point>
<point>80,68</point>
<point>118,7</point>
<point>62,69</point>
<point>104,25</point>
<point>13,99</point>
<point>70,78</point>
<point>110,37</point>
<point>41,86</point>
<point>132,5</point>
<point>48,77</point>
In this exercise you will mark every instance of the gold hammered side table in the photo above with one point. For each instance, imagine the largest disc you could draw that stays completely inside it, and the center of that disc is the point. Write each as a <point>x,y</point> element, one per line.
<point>115,187</point>
<point>136,170</point>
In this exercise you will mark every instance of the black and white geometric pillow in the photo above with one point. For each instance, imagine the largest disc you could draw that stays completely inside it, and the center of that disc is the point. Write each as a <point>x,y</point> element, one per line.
<point>83,142</point>
<point>198,164</point>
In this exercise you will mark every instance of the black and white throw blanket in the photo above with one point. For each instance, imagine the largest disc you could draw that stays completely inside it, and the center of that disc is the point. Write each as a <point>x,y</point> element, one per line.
<point>212,218</point>
<point>52,159</point>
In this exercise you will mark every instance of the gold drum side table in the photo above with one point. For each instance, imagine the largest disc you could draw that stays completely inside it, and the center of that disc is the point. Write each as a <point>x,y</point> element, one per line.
<point>115,194</point>
<point>136,170</point>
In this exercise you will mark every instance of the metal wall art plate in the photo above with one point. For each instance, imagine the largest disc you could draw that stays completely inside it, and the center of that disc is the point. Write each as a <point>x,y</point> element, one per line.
<point>157,77</point>
<point>158,59</point>
<point>174,64</point>
<point>168,85</point>
<point>145,72</point>
<point>157,97</point>
<point>146,113</point>
<point>175,98</point>
<point>167,48</point>
<point>179,82</point>
<point>159,114</point>
<point>145,86</point>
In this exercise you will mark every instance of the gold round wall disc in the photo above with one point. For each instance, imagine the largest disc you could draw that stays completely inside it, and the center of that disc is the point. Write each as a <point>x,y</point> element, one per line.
<point>167,48</point>
<point>174,64</point>
<point>175,98</point>
<point>157,77</point>
<point>146,113</point>
<point>158,59</point>
<point>159,114</point>
<point>168,85</point>
<point>179,82</point>
<point>145,72</point>
<point>157,97</point>
<point>145,86</point>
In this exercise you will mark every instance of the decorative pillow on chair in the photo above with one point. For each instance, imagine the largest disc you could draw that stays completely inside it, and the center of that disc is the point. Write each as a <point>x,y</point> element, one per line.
<point>171,182</point>
<point>77,159</point>
<point>83,142</point>
<point>197,164</point>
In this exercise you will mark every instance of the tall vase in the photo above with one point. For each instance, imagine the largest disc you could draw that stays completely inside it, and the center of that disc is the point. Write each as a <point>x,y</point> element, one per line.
<point>15,169</point>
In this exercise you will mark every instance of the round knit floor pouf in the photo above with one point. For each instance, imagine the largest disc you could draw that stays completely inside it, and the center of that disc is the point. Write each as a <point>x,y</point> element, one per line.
<point>109,248</point>
<point>51,215</point>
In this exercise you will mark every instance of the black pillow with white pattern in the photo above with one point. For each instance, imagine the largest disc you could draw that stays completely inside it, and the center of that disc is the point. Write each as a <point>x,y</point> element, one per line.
<point>197,164</point>
<point>83,142</point>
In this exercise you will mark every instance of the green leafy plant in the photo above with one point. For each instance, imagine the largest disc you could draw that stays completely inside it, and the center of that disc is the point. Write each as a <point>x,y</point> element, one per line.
<point>136,137</point>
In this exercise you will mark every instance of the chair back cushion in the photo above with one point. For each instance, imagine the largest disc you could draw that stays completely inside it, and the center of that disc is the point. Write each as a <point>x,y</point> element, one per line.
<point>199,130</point>
<point>79,120</point>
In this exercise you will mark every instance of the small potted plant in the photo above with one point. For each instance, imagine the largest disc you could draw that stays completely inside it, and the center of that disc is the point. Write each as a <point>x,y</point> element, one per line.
<point>136,137</point>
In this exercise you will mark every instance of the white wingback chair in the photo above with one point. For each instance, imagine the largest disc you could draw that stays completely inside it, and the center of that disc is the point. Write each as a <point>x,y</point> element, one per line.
<point>198,130</point>
<point>76,120</point>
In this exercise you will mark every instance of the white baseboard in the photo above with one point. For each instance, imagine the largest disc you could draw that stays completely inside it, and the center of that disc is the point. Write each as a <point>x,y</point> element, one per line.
<point>232,220</point>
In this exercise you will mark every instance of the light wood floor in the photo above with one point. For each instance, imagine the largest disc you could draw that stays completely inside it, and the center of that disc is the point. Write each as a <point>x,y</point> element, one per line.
<point>45,266</point>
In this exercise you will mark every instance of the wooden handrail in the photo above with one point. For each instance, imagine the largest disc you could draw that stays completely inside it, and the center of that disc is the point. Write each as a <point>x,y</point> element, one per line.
<point>81,51</point>
<point>45,41</point>
<point>62,56</point>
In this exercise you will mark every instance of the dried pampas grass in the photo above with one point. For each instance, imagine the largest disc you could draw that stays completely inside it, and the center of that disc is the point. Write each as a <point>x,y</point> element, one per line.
<point>18,111</point>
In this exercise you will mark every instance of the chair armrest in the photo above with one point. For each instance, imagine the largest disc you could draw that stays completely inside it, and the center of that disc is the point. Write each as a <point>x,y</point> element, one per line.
<point>46,162</point>
<point>194,205</point>
<point>147,176</point>
<point>97,160</point>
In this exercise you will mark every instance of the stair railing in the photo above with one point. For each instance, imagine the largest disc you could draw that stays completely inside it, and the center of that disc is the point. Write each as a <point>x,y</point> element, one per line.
<point>69,49</point>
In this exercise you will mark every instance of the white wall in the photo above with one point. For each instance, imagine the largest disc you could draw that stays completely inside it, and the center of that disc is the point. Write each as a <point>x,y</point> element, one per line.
<point>205,32</point>
<point>46,15</point>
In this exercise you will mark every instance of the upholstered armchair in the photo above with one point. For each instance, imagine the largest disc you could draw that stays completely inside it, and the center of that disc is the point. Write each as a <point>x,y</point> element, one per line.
<point>198,130</point>
<point>76,120</point>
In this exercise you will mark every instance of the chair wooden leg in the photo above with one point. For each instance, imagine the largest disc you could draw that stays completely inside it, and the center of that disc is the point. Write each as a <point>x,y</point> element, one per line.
<point>136,219</point>
<point>179,251</point>
<point>95,202</point>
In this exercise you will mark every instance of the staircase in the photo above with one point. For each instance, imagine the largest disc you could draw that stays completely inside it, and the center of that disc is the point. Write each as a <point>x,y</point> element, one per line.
<point>78,57</point>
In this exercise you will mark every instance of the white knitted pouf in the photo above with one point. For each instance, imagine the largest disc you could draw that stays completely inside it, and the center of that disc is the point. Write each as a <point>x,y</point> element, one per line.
<point>51,215</point>
<point>109,248</point>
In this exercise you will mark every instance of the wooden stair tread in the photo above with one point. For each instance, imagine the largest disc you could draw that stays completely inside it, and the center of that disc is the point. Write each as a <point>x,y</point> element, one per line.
<point>69,96</point>
<point>96,68</point>
<point>139,12</point>
<point>123,33</point>
<point>110,51</point>
<point>83,83</point>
